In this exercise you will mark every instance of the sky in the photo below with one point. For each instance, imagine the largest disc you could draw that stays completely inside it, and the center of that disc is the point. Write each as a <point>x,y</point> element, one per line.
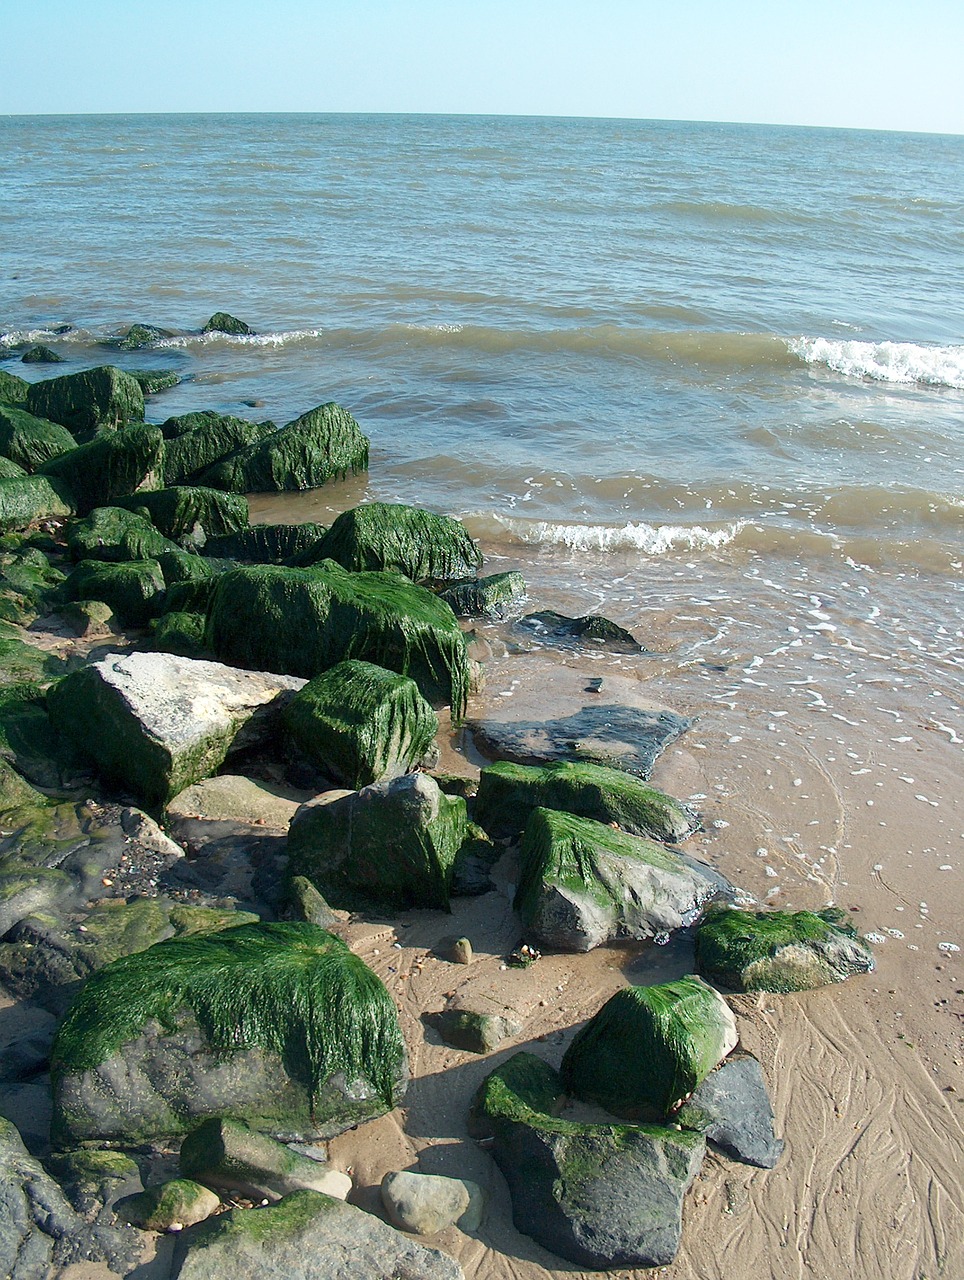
<point>887,64</point>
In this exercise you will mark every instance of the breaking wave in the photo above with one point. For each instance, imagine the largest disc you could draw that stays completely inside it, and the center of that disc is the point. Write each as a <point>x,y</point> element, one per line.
<point>906,362</point>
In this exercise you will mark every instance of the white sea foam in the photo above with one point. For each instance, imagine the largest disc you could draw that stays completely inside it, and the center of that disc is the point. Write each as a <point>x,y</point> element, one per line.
<point>653,540</point>
<point>283,339</point>
<point>938,366</point>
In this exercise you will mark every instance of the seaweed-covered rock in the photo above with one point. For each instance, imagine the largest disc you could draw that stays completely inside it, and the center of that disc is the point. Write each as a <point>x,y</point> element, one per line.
<point>155,722</point>
<point>389,535</point>
<point>508,793</point>
<point>732,1109</point>
<point>222,322</point>
<point>25,499</point>
<point>324,444</point>
<point>151,381</point>
<point>303,621</point>
<point>305,1236</point>
<point>115,534</point>
<point>582,883</point>
<point>28,585</point>
<point>9,470</point>
<point>189,515</point>
<point>31,441</point>
<point>138,336</point>
<point>112,465</point>
<point>13,390</point>
<point>95,399</point>
<point>132,588</point>
<point>39,354</point>
<point>602,1196</point>
<point>361,723</point>
<point>779,950</point>
<point>196,440</point>
<point>228,1155</point>
<point>592,627</point>
<point>279,1025</point>
<point>491,597</point>
<point>392,844</point>
<point>268,543</point>
<point>189,594</point>
<point>647,1048</point>
<point>425,1203</point>
<point>171,1206</point>
<point>180,567</point>
<point>179,633</point>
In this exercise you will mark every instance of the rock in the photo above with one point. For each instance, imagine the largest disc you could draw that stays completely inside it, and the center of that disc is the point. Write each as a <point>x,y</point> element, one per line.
<point>471,874</point>
<point>647,1048</point>
<point>267,543</point>
<point>111,466</point>
<point>151,381</point>
<point>114,534</point>
<point>178,633</point>
<point>386,535</point>
<point>508,793</point>
<point>10,470</point>
<point>28,585</point>
<point>104,398</point>
<point>278,1025</point>
<point>361,723</point>
<point>94,1180</point>
<point>40,354</point>
<point>181,566</point>
<point>191,515</point>
<point>155,723</point>
<point>31,441</point>
<point>426,1203</point>
<point>140,335</point>
<point>780,950</point>
<point>473,1032</point>
<point>26,499</point>
<point>601,1196</point>
<point>231,798</point>
<point>28,1055</point>
<point>13,390</point>
<point>582,883</point>
<point>197,440</point>
<point>172,1206</point>
<point>491,597</point>
<point>592,627</point>
<point>732,1109</point>
<point>460,951</point>
<point>305,1236</point>
<point>303,621</point>
<point>306,903</point>
<point>132,588</point>
<point>90,619</point>
<point>322,445</point>
<point>392,844</point>
<point>229,1156</point>
<point>222,322</point>
<point>619,737</point>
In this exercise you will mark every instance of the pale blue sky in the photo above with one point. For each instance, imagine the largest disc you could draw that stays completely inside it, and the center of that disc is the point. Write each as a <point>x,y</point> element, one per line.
<point>884,65</point>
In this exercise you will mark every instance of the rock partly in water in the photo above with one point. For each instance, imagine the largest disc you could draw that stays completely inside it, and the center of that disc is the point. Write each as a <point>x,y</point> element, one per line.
<point>491,597</point>
<point>601,1196</point>
<point>230,1156</point>
<point>426,1203</point>
<point>582,883</point>
<point>387,535</point>
<point>591,628</point>
<point>779,950</point>
<point>646,1050</point>
<point>140,335</point>
<point>39,354</point>
<point>223,322</point>
<point>151,381</point>
<point>103,398</point>
<point>733,1110</point>
<point>278,1025</point>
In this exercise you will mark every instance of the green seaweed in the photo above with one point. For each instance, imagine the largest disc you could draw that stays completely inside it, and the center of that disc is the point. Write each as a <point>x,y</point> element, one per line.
<point>24,499</point>
<point>151,381</point>
<point>84,402</point>
<point>197,440</point>
<point>270,543</point>
<point>385,535</point>
<point>190,514</point>
<point>132,588</point>
<point>13,390</point>
<point>491,597</point>
<point>31,441</point>
<point>286,988</point>
<point>178,633</point>
<point>115,534</point>
<point>110,466</point>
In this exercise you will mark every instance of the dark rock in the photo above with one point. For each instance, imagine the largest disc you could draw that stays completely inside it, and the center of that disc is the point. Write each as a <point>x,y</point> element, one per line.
<point>268,543</point>
<point>491,597</point>
<point>115,534</point>
<point>196,440</point>
<point>178,633</point>
<point>151,381</point>
<point>222,322</point>
<point>40,354</point>
<point>306,903</point>
<point>132,588</point>
<point>13,390</point>
<point>732,1108</point>
<point>592,627</point>
<point>138,336</point>
<point>111,466</point>
<point>103,398</point>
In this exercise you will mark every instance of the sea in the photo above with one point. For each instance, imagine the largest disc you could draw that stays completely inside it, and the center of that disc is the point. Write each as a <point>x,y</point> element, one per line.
<point>706,379</point>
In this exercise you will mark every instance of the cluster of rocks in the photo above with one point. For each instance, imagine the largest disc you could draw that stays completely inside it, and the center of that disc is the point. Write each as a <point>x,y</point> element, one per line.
<point>190,993</point>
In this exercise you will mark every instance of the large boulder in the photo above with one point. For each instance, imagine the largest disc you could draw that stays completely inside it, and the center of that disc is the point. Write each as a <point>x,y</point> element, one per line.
<point>13,390</point>
<point>779,950</point>
<point>508,793</point>
<point>268,543</point>
<point>196,440</point>
<point>324,444</point>
<point>110,466</point>
<point>31,441</point>
<point>278,1025</point>
<point>132,588</point>
<point>25,499</point>
<point>390,535</point>
<point>224,322</point>
<point>361,723</point>
<point>154,722</point>
<point>303,621</point>
<point>190,515</point>
<point>103,398</point>
<point>115,534</point>
<point>582,883</point>
<point>392,845</point>
<point>601,1196</point>
<point>646,1050</point>
<point>305,1236</point>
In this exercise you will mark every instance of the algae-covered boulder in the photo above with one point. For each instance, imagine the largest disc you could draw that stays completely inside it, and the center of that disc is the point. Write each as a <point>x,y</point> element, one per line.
<point>779,950</point>
<point>508,793</point>
<point>392,844</point>
<point>324,444</point>
<point>180,633</point>
<point>112,465</point>
<point>31,441</point>
<point>132,588</point>
<point>151,381</point>
<point>189,515</point>
<point>279,1025</point>
<point>103,398</point>
<point>40,354</point>
<point>25,499</point>
<point>491,597</point>
<point>647,1048</point>
<point>13,390</point>
<point>28,585</point>
<point>602,1196</point>
<point>171,1206</point>
<point>389,535</point>
<point>361,723</point>
<point>303,621</point>
<point>196,440</point>
<point>115,534</point>
<point>268,543</point>
<point>582,883</point>
<point>9,470</point>
<point>223,322</point>
<point>229,1155</point>
<point>155,722</point>
<point>138,336</point>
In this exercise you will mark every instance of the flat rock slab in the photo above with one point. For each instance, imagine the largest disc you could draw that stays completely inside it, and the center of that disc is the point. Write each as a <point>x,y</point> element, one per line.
<point>732,1108</point>
<point>236,799</point>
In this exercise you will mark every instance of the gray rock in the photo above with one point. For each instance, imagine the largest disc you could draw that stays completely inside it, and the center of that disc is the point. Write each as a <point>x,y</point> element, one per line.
<point>471,1031</point>
<point>306,1236</point>
<point>592,629</point>
<point>306,903</point>
<point>491,597</point>
<point>732,1108</point>
<point>426,1203</point>
<point>228,1155</point>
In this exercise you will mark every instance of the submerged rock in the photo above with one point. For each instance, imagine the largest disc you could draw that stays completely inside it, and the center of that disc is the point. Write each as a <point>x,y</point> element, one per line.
<point>732,1109</point>
<point>780,950</point>
<point>591,627</point>
<point>103,398</point>
<point>648,1048</point>
<point>491,597</point>
<point>275,1024</point>
<point>388,535</point>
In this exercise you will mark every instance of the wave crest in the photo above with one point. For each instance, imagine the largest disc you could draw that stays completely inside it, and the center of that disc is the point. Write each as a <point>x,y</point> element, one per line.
<point>906,362</point>
<point>650,539</point>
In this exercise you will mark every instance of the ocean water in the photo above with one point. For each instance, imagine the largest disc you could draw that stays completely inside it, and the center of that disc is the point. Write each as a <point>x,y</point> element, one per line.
<point>706,378</point>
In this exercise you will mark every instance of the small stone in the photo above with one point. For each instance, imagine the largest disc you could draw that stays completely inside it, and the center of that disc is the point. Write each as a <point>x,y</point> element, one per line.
<point>172,1206</point>
<point>426,1203</point>
<point>461,951</point>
